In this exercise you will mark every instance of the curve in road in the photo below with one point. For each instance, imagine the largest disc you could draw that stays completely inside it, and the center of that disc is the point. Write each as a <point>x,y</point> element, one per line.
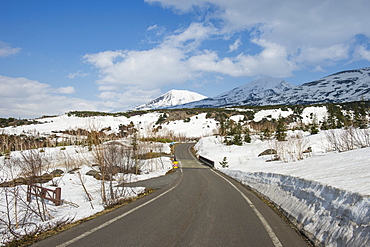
<point>199,208</point>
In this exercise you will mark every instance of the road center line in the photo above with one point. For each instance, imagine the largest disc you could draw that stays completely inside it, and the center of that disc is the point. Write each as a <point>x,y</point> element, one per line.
<point>117,218</point>
<point>265,224</point>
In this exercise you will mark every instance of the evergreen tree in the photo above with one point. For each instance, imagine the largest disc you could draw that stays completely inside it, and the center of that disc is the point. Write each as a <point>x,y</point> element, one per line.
<point>247,135</point>
<point>280,133</point>
<point>224,163</point>
<point>237,137</point>
<point>314,126</point>
<point>324,124</point>
<point>360,118</point>
<point>266,134</point>
<point>222,130</point>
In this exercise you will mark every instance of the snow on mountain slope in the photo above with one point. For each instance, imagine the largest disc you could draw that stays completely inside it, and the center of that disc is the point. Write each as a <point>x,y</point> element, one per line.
<point>255,90</point>
<point>171,98</point>
<point>346,86</point>
<point>251,92</point>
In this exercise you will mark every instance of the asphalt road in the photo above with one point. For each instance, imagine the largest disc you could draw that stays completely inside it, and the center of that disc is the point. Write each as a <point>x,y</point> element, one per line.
<point>198,208</point>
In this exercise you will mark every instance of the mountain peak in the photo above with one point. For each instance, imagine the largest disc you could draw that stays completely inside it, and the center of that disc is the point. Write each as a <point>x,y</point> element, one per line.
<point>171,98</point>
<point>254,91</point>
<point>257,86</point>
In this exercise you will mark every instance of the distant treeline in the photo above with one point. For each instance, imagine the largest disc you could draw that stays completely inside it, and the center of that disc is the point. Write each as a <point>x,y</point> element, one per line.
<point>6,122</point>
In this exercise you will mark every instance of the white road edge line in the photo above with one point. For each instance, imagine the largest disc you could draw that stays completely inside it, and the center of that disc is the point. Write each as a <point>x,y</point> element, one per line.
<point>265,224</point>
<point>116,218</point>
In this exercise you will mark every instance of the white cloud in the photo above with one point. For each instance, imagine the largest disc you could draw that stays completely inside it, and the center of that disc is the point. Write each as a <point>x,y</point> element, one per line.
<point>145,69</point>
<point>129,98</point>
<point>191,37</point>
<point>21,97</point>
<point>162,65</point>
<point>104,59</point>
<point>79,73</point>
<point>153,27</point>
<point>271,61</point>
<point>362,53</point>
<point>66,90</point>
<point>318,69</point>
<point>299,26</point>
<point>182,5</point>
<point>7,50</point>
<point>20,87</point>
<point>314,55</point>
<point>235,45</point>
<point>178,59</point>
<point>284,37</point>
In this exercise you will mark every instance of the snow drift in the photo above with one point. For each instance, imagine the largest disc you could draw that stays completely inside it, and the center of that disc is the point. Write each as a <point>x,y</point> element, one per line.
<point>328,216</point>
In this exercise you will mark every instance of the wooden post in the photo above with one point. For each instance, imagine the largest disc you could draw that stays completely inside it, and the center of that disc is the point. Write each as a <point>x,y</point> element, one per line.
<point>58,194</point>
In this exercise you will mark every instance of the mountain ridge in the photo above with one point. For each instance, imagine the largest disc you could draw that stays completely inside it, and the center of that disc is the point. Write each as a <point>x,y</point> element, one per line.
<point>171,98</point>
<point>340,87</point>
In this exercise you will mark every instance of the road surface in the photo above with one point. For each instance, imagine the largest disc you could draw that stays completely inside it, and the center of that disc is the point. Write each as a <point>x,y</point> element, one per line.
<point>200,207</point>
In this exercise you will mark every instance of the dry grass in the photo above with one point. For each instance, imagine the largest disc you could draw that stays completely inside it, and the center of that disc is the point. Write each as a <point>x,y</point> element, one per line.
<point>31,239</point>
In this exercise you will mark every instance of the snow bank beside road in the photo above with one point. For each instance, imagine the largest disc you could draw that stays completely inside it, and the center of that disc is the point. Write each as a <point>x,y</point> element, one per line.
<point>327,215</point>
<point>349,171</point>
<point>326,194</point>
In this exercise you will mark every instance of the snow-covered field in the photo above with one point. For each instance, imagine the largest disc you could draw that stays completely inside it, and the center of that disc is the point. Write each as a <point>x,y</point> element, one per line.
<point>197,127</point>
<point>75,202</point>
<point>327,193</point>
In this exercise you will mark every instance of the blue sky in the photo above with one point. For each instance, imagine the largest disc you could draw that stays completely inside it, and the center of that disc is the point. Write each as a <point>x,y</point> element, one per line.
<point>57,56</point>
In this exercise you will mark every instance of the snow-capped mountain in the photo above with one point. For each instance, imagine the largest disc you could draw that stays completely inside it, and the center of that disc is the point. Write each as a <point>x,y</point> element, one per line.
<point>170,99</point>
<point>254,91</point>
<point>248,94</point>
<point>345,86</point>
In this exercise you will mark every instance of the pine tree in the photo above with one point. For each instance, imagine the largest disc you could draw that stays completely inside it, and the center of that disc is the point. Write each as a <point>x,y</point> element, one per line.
<point>237,137</point>
<point>224,163</point>
<point>280,133</point>
<point>266,134</point>
<point>314,126</point>
<point>247,135</point>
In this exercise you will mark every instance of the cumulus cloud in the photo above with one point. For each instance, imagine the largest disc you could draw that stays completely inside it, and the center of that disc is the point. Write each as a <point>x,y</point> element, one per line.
<point>129,98</point>
<point>288,38</point>
<point>299,26</point>
<point>26,98</point>
<point>7,50</point>
<point>21,87</point>
<point>149,69</point>
<point>145,69</point>
<point>284,37</point>
<point>271,61</point>
<point>179,58</point>
<point>315,55</point>
<point>66,90</point>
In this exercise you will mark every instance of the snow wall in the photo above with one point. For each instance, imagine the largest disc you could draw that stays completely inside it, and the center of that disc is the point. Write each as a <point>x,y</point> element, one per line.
<point>328,216</point>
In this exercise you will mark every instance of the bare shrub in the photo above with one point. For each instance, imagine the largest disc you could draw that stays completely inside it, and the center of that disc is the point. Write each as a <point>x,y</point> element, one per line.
<point>32,163</point>
<point>291,150</point>
<point>347,139</point>
<point>18,217</point>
